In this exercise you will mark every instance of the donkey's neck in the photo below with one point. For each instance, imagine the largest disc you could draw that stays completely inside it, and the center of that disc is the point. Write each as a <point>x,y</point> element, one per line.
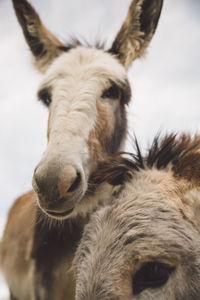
<point>58,237</point>
<point>50,233</point>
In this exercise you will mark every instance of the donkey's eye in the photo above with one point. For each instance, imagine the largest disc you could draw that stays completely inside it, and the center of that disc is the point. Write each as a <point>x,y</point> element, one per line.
<point>151,275</point>
<point>45,96</point>
<point>112,92</point>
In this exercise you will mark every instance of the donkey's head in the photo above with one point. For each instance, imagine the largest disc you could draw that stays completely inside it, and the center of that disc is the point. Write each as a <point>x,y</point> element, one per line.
<point>86,90</point>
<point>146,245</point>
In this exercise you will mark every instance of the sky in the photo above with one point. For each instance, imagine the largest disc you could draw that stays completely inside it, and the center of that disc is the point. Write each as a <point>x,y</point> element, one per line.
<point>165,84</point>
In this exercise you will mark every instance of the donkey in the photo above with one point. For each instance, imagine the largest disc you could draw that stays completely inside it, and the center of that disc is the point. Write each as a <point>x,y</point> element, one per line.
<point>86,90</point>
<point>146,244</point>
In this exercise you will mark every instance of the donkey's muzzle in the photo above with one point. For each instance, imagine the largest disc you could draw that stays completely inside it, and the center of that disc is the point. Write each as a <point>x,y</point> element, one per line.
<point>58,189</point>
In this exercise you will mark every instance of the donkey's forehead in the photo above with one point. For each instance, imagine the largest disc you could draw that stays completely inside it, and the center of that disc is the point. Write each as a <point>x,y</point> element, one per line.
<point>90,62</point>
<point>154,199</point>
<point>156,184</point>
<point>156,189</point>
<point>153,202</point>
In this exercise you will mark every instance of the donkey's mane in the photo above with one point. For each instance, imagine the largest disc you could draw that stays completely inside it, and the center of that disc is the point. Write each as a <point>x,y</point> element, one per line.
<point>168,150</point>
<point>74,42</point>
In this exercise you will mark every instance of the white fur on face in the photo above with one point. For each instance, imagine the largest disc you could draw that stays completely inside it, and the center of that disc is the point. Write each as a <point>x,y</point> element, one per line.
<point>77,80</point>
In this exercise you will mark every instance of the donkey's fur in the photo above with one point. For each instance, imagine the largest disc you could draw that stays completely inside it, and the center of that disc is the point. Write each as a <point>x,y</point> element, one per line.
<point>86,90</point>
<point>146,245</point>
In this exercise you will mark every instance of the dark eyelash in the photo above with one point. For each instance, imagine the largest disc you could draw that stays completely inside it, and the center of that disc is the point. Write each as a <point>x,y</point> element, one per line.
<point>151,275</point>
<point>45,96</point>
<point>112,92</point>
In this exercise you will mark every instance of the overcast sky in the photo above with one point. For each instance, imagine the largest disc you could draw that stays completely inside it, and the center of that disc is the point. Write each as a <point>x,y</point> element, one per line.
<point>165,84</point>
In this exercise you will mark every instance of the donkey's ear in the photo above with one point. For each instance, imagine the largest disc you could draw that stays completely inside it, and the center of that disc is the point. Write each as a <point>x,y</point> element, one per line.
<point>43,44</point>
<point>137,30</point>
<point>188,167</point>
<point>187,170</point>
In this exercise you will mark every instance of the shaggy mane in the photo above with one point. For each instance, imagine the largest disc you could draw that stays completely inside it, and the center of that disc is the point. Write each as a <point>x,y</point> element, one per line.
<point>75,42</point>
<point>171,149</point>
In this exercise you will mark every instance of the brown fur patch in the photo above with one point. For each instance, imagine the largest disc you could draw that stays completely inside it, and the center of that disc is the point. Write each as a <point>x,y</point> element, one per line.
<point>16,261</point>
<point>189,167</point>
<point>20,207</point>
<point>110,130</point>
<point>99,136</point>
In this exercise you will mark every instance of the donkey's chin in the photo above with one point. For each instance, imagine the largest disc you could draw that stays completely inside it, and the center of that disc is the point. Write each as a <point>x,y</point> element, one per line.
<point>59,215</point>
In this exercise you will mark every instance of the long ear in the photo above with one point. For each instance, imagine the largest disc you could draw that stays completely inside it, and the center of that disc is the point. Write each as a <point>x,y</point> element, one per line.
<point>137,30</point>
<point>43,44</point>
<point>186,168</point>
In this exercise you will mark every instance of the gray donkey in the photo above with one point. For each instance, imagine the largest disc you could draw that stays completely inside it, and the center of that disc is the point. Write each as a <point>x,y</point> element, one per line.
<point>86,90</point>
<point>146,244</point>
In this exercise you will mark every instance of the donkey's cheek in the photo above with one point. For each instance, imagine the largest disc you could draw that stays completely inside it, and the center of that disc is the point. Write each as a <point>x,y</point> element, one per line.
<point>105,122</point>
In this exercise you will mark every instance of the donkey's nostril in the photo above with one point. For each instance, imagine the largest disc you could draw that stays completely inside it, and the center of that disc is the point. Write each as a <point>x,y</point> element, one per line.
<point>75,184</point>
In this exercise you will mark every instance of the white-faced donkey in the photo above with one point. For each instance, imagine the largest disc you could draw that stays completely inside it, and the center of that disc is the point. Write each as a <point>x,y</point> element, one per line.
<point>86,90</point>
<point>146,244</point>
